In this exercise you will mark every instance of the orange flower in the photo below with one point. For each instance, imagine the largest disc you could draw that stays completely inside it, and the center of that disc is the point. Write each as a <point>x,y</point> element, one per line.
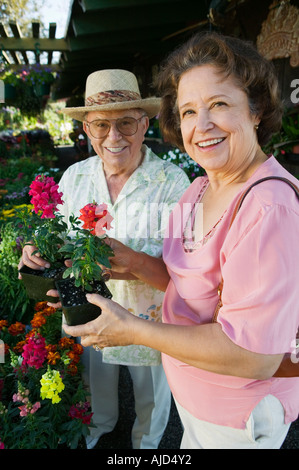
<point>78,348</point>
<point>74,357</point>
<point>3,324</point>
<point>40,306</point>
<point>49,311</point>
<point>38,320</point>
<point>19,347</point>
<point>72,369</point>
<point>53,357</point>
<point>51,348</point>
<point>65,342</point>
<point>16,328</point>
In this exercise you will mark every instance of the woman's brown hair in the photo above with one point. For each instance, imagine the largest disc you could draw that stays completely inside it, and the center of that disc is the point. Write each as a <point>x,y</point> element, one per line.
<point>233,57</point>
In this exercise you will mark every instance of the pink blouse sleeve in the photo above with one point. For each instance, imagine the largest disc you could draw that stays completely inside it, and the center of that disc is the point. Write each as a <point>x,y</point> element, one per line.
<point>260,269</point>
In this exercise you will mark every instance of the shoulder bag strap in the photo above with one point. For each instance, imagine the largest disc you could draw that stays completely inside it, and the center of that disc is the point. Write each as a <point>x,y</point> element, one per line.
<point>237,208</point>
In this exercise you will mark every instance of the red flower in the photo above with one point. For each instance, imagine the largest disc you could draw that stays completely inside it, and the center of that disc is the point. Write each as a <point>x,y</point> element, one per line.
<point>80,411</point>
<point>96,217</point>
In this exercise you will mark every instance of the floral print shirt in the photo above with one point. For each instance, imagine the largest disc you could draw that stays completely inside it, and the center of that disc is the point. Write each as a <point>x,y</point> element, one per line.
<point>140,213</point>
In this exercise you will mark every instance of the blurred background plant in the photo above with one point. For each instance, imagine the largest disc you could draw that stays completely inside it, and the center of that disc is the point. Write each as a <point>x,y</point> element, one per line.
<point>42,397</point>
<point>181,159</point>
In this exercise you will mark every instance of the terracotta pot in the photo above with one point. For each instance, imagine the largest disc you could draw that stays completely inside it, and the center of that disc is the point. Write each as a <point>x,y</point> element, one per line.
<point>77,310</point>
<point>37,283</point>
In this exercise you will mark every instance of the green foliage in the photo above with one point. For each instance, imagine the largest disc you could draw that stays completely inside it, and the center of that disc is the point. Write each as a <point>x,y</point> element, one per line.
<point>87,252</point>
<point>14,300</point>
<point>47,236</point>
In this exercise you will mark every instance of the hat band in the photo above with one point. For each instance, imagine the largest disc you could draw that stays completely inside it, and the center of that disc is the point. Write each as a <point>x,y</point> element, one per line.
<point>111,96</point>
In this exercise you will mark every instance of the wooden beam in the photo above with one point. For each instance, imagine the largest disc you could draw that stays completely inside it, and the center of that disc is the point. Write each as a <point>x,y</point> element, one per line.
<point>3,33</point>
<point>29,44</point>
<point>16,31</point>
<point>35,29</point>
<point>52,32</point>
<point>5,56</point>
<point>35,34</point>
<point>92,5</point>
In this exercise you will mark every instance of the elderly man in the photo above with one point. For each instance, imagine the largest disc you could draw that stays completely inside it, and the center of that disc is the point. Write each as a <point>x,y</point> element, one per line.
<point>140,190</point>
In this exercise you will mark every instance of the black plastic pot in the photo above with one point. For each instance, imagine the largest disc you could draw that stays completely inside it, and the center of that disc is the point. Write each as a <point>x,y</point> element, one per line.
<point>37,282</point>
<point>77,310</point>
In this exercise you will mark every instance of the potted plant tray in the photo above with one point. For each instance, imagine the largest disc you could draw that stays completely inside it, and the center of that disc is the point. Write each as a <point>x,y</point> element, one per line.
<point>77,310</point>
<point>38,282</point>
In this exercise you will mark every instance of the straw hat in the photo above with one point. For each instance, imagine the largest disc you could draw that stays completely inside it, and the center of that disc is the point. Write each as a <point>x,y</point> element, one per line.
<point>111,90</point>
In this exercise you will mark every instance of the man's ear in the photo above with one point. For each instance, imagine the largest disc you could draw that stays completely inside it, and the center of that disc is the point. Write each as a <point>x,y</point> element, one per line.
<point>86,128</point>
<point>146,124</point>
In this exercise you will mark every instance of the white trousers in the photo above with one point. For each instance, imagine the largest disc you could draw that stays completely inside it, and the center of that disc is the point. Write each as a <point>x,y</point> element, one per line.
<point>151,393</point>
<point>265,429</point>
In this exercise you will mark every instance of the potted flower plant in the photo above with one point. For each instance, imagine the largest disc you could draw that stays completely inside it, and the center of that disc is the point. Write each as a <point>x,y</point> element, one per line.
<point>43,227</point>
<point>88,253</point>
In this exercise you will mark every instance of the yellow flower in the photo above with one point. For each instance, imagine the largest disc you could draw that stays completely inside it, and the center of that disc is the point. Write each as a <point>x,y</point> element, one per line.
<point>51,385</point>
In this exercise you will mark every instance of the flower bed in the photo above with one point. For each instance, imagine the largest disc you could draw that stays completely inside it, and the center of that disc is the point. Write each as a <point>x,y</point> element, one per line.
<point>42,398</point>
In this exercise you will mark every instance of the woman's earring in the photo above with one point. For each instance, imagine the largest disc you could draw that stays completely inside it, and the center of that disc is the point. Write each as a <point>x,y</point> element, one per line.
<point>256,127</point>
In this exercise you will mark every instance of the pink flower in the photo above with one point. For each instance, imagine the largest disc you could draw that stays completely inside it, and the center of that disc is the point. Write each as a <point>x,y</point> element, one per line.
<point>45,196</point>
<point>34,351</point>
<point>1,445</point>
<point>35,407</point>
<point>104,221</point>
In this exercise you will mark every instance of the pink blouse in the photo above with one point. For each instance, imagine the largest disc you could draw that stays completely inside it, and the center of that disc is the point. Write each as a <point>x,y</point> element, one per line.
<point>259,262</point>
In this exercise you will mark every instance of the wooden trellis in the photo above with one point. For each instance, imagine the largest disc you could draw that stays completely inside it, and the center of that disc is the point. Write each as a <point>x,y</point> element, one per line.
<point>18,45</point>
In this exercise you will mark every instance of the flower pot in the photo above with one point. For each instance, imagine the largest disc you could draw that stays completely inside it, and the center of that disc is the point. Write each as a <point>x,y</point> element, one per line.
<point>42,90</point>
<point>77,310</point>
<point>37,283</point>
<point>9,92</point>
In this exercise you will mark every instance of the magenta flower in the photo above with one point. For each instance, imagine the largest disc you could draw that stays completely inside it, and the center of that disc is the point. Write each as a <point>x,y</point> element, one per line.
<point>45,196</point>
<point>34,351</point>
<point>80,411</point>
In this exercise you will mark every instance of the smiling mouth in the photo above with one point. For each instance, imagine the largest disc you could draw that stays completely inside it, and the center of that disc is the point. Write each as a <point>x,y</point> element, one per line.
<point>208,143</point>
<point>115,149</point>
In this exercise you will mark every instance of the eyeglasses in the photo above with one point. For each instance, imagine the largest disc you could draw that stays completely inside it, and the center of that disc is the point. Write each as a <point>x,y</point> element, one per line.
<point>125,125</point>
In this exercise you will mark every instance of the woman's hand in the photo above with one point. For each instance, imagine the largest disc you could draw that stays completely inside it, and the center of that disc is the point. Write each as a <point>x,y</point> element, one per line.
<point>114,327</point>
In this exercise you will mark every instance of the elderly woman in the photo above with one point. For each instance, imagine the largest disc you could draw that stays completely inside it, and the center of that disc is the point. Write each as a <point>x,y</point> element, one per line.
<point>140,190</point>
<point>220,101</point>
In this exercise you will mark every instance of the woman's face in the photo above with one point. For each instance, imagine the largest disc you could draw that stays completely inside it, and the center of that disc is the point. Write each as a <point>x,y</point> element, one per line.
<point>118,152</point>
<point>217,127</point>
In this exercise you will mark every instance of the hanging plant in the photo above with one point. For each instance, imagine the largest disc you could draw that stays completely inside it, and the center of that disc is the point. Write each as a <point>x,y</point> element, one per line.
<point>31,84</point>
